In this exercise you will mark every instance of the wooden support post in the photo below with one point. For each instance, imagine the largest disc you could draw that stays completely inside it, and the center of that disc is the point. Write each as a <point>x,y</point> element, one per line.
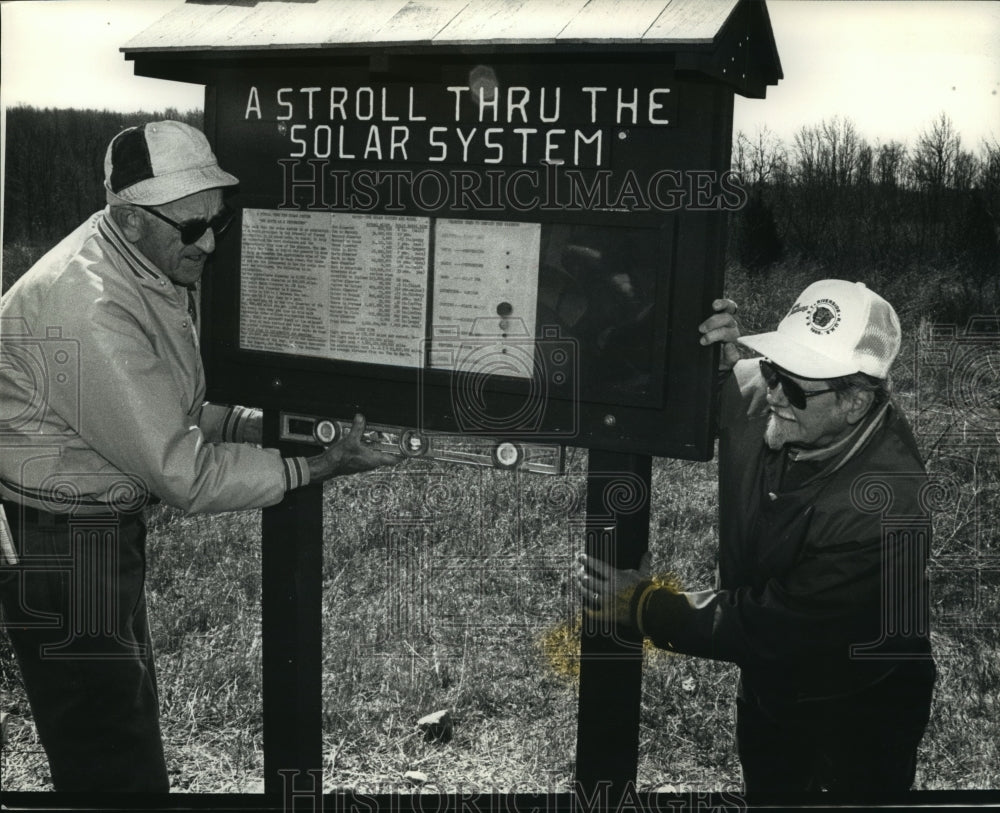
<point>607,749</point>
<point>291,629</point>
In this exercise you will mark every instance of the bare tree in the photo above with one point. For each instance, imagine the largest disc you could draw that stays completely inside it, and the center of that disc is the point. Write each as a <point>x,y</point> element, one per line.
<point>964,171</point>
<point>935,154</point>
<point>760,160</point>
<point>890,165</point>
<point>839,150</point>
<point>808,159</point>
<point>865,164</point>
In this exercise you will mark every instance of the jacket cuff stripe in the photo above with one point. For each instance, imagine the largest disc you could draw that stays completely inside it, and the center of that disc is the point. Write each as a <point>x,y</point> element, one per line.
<point>234,425</point>
<point>240,417</point>
<point>296,472</point>
<point>228,436</point>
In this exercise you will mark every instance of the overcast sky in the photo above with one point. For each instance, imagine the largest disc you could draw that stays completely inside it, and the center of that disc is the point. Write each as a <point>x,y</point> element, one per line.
<point>889,66</point>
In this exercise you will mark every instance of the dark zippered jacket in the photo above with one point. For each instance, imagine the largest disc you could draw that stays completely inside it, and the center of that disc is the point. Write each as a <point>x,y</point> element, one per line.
<point>822,588</point>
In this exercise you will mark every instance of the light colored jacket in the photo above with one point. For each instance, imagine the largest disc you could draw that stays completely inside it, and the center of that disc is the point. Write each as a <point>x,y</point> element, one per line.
<point>102,391</point>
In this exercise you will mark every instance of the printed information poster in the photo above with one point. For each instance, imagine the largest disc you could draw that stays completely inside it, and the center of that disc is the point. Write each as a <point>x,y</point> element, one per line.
<point>485,296</point>
<point>335,285</point>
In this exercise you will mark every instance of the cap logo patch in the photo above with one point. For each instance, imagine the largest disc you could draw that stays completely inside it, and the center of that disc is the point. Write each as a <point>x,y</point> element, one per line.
<point>823,316</point>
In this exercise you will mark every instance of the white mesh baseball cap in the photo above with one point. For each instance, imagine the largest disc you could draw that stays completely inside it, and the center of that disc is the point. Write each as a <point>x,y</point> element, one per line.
<point>159,162</point>
<point>835,328</point>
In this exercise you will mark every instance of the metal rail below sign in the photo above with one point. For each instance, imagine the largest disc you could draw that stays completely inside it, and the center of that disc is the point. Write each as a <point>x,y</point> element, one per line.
<point>413,443</point>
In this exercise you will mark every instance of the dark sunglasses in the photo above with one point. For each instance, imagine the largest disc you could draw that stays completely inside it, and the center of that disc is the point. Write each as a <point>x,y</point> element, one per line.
<point>796,396</point>
<point>193,230</point>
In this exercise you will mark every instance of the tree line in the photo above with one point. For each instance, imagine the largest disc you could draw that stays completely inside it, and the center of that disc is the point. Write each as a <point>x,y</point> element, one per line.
<point>830,198</point>
<point>834,199</point>
<point>55,167</point>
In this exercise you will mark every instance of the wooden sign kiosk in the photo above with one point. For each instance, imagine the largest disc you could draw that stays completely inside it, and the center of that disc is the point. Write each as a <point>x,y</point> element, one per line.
<point>491,218</point>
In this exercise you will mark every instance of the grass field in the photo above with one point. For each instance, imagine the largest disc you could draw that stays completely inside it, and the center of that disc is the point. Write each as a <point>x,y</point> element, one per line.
<point>451,587</point>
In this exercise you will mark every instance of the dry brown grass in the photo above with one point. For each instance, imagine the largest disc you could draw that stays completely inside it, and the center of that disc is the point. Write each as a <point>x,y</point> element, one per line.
<point>492,554</point>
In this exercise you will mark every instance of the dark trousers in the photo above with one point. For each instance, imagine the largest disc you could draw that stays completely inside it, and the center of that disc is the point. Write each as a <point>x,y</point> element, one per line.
<point>75,610</point>
<point>862,744</point>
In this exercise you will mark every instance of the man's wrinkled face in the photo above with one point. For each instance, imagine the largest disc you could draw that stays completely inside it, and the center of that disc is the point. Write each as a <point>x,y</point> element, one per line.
<point>161,242</point>
<point>823,420</point>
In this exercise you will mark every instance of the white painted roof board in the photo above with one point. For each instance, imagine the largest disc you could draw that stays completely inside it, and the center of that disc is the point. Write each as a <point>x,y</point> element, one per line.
<point>418,21</point>
<point>504,21</point>
<point>691,22</point>
<point>286,24</point>
<point>613,20</point>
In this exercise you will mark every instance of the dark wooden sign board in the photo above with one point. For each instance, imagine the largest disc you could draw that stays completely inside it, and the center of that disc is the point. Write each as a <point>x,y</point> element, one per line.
<point>627,264</point>
<point>599,131</point>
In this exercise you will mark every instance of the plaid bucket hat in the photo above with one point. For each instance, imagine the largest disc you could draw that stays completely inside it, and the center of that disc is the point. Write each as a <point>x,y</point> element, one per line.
<point>159,162</point>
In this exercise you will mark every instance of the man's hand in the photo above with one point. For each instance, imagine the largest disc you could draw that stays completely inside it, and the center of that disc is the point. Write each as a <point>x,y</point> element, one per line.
<point>609,592</point>
<point>721,326</point>
<point>349,455</point>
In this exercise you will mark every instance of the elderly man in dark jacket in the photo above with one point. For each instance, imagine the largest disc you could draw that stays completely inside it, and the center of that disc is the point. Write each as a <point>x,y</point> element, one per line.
<point>822,598</point>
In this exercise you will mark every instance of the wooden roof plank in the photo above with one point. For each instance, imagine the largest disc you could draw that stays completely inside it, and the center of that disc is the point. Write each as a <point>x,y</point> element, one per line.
<point>352,21</point>
<point>185,26</point>
<point>258,26</point>
<point>690,21</point>
<point>261,26</point>
<point>274,24</point>
<point>503,21</point>
<point>419,21</point>
<point>285,23</point>
<point>612,20</point>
